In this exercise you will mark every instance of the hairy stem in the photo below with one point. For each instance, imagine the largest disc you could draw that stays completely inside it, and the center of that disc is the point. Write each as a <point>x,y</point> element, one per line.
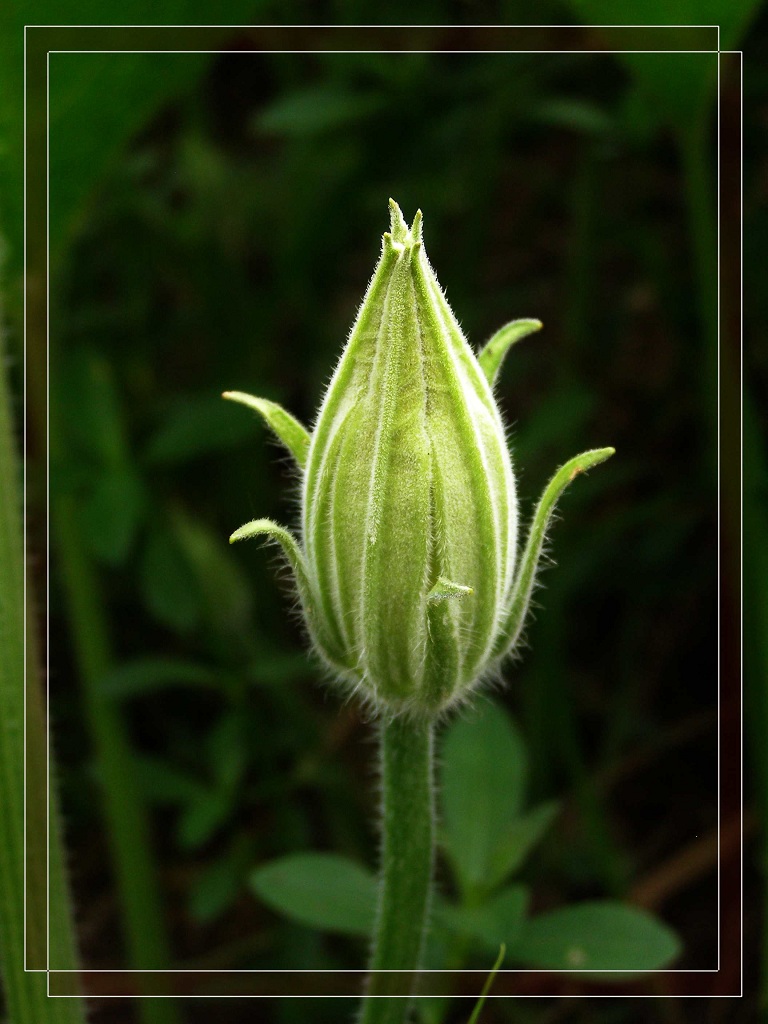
<point>406,868</point>
<point>24,982</point>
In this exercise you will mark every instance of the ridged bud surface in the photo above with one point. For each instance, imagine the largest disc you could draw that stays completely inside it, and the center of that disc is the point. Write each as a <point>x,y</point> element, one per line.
<point>409,510</point>
<point>406,570</point>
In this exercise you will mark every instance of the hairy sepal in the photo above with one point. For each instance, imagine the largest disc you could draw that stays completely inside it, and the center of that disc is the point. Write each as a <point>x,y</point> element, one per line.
<point>524,583</point>
<point>322,635</point>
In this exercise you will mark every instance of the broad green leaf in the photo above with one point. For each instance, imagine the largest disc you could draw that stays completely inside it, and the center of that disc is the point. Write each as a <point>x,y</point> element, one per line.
<point>146,675</point>
<point>599,936</point>
<point>521,837</point>
<point>483,779</point>
<point>320,890</point>
<point>498,920</point>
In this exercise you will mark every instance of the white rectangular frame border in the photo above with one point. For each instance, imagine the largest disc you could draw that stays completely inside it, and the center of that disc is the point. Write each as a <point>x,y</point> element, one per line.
<point>719,51</point>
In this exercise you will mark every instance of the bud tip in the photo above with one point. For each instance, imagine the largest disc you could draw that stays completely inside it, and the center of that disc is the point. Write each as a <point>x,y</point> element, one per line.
<point>398,227</point>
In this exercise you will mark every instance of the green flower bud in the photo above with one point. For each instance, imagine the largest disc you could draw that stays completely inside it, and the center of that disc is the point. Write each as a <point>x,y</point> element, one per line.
<point>409,510</point>
<point>409,514</point>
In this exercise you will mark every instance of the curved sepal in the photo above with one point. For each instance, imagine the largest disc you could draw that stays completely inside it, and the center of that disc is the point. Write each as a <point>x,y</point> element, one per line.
<point>267,528</point>
<point>445,589</point>
<point>442,665</point>
<point>319,629</point>
<point>523,588</point>
<point>492,354</point>
<point>286,427</point>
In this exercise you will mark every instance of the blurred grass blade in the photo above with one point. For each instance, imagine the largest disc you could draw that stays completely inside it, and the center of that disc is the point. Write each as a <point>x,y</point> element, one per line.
<point>25,992</point>
<point>487,986</point>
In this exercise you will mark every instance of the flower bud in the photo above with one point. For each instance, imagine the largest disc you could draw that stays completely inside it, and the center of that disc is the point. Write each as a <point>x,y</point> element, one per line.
<point>410,518</point>
<point>409,514</point>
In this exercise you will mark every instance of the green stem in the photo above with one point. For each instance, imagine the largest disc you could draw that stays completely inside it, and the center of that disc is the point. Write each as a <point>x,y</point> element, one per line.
<point>406,868</point>
<point>25,995</point>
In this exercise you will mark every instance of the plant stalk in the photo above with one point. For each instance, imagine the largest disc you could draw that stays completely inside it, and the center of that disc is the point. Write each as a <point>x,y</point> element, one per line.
<point>407,857</point>
<point>24,981</point>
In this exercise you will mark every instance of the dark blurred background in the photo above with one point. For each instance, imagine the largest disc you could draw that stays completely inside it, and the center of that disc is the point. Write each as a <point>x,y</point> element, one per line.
<point>226,242</point>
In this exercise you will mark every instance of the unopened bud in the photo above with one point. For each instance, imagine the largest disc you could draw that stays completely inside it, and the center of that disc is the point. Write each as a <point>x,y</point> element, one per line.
<point>409,514</point>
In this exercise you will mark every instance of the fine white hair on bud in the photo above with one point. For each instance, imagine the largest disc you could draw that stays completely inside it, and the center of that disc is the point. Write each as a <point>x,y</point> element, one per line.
<point>407,572</point>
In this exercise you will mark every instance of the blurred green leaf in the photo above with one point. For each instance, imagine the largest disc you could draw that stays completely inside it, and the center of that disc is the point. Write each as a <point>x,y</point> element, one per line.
<point>219,883</point>
<point>146,675</point>
<point>521,837</point>
<point>163,783</point>
<point>86,395</point>
<point>112,514</point>
<point>498,920</point>
<point>315,111</point>
<point>203,817</point>
<point>280,668</point>
<point>227,750</point>
<point>320,890</point>
<point>597,936</point>
<point>677,84</point>
<point>99,100</point>
<point>483,779</point>
<point>198,425</point>
<point>556,418</point>
<point>219,577</point>
<point>575,114</point>
<point>168,583</point>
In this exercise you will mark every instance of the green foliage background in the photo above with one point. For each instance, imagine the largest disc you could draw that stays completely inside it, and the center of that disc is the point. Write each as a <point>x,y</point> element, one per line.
<point>214,221</point>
